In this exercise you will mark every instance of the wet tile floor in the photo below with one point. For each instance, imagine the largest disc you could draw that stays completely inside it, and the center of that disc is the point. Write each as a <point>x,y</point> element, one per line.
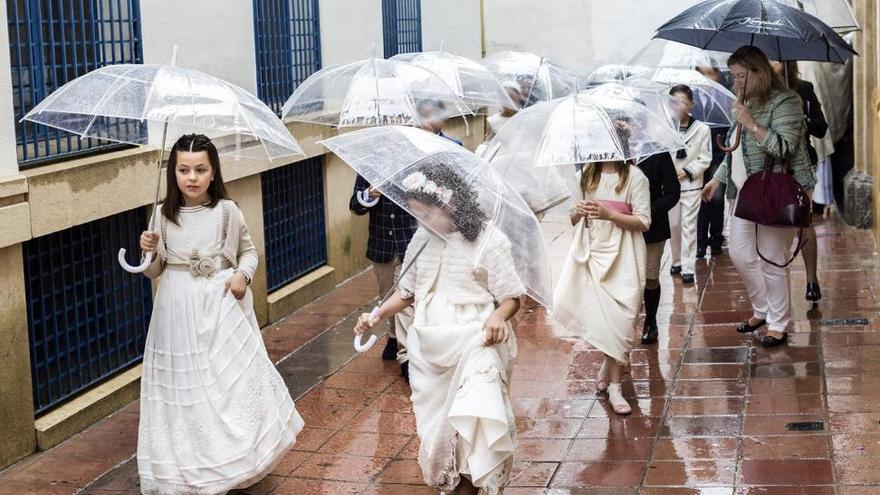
<point>714,413</point>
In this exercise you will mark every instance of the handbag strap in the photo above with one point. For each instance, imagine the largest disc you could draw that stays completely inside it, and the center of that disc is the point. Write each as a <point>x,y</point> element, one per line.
<point>800,244</point>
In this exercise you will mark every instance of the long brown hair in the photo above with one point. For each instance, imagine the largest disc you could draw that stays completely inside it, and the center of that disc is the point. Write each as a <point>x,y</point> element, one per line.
<point>192,143</point>
<point>763,80</point>
<point>592,174</point>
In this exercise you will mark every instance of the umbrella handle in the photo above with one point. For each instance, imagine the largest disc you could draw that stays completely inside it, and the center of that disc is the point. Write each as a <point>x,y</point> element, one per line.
<point>364,199</point>
<point>736,141</point>
<point>133,269</point>
<point>364,347</point>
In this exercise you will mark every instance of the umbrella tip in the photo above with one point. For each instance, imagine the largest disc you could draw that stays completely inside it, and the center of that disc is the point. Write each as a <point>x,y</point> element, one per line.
<point>443,45</point>
<point>174,55</point>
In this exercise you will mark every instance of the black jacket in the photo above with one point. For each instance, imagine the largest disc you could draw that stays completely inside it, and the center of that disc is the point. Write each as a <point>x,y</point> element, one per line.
<point>665,192</point>
<point>816,124</point>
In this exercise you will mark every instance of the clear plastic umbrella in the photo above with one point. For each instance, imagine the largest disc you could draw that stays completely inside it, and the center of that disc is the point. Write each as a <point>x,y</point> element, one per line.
<point>470,80</point>
<point>584,128</point>
<point>615,73</point>
<point>539,79</point>
<point>373,92</point>
<point>663,54</point>
<point>144,104</point>
<point>837,14</point>
<point>713,103</point>
<point>398,159</point>
<point>652,94</point>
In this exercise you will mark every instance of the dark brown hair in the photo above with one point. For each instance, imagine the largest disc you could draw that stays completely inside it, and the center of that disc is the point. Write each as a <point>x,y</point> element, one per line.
<point>192,143</point>
<point>463,207</point>
<point>763,80</point>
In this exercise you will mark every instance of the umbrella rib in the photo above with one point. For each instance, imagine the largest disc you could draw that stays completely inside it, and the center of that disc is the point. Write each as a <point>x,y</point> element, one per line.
<point>149,98</point>
<point>104,98</point>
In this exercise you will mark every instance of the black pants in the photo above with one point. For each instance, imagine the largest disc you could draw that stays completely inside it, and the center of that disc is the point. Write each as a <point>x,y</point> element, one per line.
<point>710,223</point>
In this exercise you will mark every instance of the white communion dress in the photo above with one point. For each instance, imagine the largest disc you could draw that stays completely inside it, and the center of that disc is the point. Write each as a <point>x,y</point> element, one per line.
<point>599,292</point>
<point>460,386</point>
<point>215,414</point>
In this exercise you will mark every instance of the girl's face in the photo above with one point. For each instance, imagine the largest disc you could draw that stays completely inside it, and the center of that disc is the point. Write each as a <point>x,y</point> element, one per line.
<point>684,105</point>
<point>434,217</point>
<point>194,175</point>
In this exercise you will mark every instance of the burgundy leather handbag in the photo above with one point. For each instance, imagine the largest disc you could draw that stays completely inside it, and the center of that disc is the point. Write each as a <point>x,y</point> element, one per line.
<point>775,199</point>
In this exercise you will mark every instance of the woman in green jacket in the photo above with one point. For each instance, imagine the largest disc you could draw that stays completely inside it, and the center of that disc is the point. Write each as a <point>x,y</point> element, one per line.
<point>773,126</point>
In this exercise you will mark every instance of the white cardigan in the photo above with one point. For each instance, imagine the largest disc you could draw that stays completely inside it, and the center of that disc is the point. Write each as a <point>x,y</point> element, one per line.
<point>698,138</point>
<point>483,271</point>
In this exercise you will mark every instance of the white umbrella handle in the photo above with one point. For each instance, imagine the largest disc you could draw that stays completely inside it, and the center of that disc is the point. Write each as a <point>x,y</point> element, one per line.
<point>364,199</point>
<point>359,345</point>
<point>133,269</point>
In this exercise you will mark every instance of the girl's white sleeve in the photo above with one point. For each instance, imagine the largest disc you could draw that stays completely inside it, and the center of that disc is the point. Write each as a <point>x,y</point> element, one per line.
<point>640,198</point>
<point>503,280</point>
<point>407,284</point>
<point>248,259</point>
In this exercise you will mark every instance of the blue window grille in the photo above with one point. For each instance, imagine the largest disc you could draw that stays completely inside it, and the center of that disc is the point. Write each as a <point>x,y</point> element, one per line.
<point>87,319</point>
<point>54,41</point>
<point>402,26</point>
<point>293,217</point>
<point>287,37</point>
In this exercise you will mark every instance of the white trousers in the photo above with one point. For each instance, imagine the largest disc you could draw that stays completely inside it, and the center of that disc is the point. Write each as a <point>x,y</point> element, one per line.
<point>767,285</point>
<point>683,227</point>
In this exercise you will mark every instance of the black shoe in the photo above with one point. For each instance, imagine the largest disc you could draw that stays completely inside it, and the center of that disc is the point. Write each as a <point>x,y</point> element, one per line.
<point>716,251</point>
<point>675,270</point>
<point>770,341</point>
<point>687,278</point>
<point>649,334</point>
<point>701,253</point>
<point>404,371</point>
<point>390,351</point>
<point>814,293</point>
<point>744,327</point>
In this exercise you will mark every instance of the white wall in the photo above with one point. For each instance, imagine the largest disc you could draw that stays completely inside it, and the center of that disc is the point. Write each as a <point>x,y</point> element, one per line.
<point>8,159</point>
<point>457,22</point>
<point>579,34</point>
<point>214,36</point>
<point>349,28</point>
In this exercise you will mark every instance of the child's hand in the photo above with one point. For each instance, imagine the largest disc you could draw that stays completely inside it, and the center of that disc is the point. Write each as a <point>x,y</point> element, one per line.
<point>149,241</point>
<point>365,324</point>
<point>237,284</point>
<point>596,210</point>
<point>580,208</point>
<point>495,330</point>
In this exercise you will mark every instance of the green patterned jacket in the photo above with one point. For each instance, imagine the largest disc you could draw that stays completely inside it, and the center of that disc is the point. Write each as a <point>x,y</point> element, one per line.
<point>783,116</point>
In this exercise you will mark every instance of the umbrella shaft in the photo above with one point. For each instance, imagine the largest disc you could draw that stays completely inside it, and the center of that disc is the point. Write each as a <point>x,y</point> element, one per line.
<point>159,174</point>
<point>402,273</point>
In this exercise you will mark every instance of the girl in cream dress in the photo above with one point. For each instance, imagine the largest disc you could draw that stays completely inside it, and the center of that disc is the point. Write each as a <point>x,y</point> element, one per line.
<point>465,289</point>
<point>599,292</point>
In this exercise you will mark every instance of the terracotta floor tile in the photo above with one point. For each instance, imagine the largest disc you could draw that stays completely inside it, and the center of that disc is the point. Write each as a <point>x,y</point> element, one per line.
<point>365,444</point>
<point>340,468</point>
<point>785,386</point>
<point>300,486</point>
<point>856,490</point>
<point>847,445</point>
<point>618,449</point>
<point>869,403</point>
<point>785,472</point>
<point>644,407</point>
<point>402,471</point>
<point>384,489</point>
<point>619,427</point>
<point>547,427</point>
<point>776,425</point>
<point>383,422</point>
<point>710,388</point>
<point>681,449</point>
<point>786,490</point>
<point>533,474</point>
<point>541,449</point>
<point>786,447</point>
<point>580,474</point>
<point>701,426</point>
<point>720,472</point>
<point>292,460</point>
<point>311,439</point>
<point>710,406</point>
<point>857,470</point>
<point>681,490</point>
<point>853,385</point>
<point>785,404</point>
<point>565,408</point>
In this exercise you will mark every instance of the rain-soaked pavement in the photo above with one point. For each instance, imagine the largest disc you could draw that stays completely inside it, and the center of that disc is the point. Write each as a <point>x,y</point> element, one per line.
<point>714,413</point>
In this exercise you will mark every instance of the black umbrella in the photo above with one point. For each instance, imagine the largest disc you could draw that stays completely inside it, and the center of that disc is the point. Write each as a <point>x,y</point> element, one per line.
<point>784,33</point>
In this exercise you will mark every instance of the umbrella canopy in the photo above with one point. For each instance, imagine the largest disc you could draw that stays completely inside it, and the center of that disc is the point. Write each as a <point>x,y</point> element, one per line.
<point>614,73</point>
<point>654,95</point>
<point>782,32</point>
<point>373,92</point>
<point>538,78</point>
<point>470,80</point>
<point>132,103</point>
<point>663,54</point>
<point>838,14</point>
<point>584,128</point>
<point>397,160</point>
<point>713,103</point>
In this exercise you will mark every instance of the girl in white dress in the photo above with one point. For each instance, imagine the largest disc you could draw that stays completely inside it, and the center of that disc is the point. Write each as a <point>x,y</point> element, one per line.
<point>215,415</point>
<point>599,293</point>
<point>461,345</point>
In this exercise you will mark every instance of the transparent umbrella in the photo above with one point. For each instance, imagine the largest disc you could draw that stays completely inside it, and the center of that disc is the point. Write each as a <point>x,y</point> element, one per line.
<point>584,128</point>
<point>470,80</point>
<point>144,104</point>
<point>373,92</point>
<point>400,160</point>
<point>837,14</point>
<point>663,54</point>
<point>615,73</point>
<point>539,79</point>
<point>652,94</point>
<point>713,103</point>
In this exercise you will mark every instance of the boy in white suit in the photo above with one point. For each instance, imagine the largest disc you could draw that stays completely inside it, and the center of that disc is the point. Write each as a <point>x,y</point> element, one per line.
<point>690,164</point>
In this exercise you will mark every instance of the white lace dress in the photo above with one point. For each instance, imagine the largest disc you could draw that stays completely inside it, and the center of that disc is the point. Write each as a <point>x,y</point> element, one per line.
<point>460,387</point>
<point>215,414</point>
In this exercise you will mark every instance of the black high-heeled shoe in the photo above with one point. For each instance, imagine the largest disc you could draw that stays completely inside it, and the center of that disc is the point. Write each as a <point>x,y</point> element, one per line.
<point>649,334</point>
<point>771,341</point>
<point>814,293</point>
<point>744,327</point>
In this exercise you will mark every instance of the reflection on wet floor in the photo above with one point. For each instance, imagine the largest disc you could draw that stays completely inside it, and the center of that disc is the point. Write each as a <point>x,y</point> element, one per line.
<point>713,412</point>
